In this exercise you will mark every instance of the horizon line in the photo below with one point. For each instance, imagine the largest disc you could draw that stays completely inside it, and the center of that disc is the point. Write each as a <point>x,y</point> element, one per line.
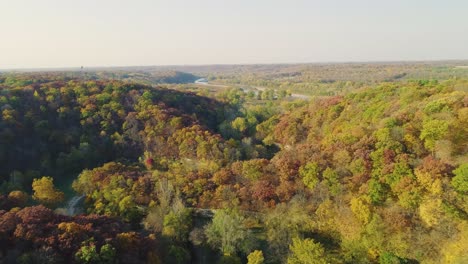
<point>71,68</point>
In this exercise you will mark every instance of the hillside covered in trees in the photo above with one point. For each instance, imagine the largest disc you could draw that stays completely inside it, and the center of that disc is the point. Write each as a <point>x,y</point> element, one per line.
<point>332,78</point>
<point>375,174</point>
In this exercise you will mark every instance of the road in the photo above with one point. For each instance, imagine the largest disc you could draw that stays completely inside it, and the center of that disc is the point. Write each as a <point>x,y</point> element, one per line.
<point>212,85</point>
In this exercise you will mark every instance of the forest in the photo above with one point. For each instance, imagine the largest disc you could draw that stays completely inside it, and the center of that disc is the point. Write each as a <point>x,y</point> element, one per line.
<point>365,168</point>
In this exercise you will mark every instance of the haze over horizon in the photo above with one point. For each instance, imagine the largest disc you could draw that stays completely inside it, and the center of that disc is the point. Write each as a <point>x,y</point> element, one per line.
<point>60,34</point>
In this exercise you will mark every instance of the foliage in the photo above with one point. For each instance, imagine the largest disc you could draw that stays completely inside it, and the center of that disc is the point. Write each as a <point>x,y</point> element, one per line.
<point>309,174</point>
<point>306,251</point>
<point>178,223</point>
<point>45,191</point>
<point>227,232</point>
<point>460,181</point>
<point>353,176</point>
<point>59,239</point>
<point>256,257</point>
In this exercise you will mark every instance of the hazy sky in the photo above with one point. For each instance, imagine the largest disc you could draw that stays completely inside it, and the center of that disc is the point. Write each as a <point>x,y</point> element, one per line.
<point>71,33</point>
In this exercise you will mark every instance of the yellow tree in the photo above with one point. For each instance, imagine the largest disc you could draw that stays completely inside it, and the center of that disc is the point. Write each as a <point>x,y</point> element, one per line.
<point>361,210</point>
<point>430,211</point>
<point>306,251</point>
<point>455,249</point>
<point>256,257</point>
<point>45,191</point>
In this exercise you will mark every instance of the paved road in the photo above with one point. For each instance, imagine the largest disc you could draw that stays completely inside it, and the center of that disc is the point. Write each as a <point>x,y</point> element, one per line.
<point>212,85</point>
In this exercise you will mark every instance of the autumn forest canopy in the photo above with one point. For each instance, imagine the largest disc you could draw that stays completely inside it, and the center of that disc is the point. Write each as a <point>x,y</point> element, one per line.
<point>309,163</point>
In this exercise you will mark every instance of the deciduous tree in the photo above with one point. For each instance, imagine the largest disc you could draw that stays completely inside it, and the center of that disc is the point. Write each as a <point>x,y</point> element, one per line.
<point>45,191</point>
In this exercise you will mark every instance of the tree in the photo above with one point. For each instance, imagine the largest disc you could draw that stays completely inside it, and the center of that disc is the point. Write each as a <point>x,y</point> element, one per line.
<point>306,251</point>
<point>256,257</point>
<point>331,179</point>
<point>309,174</point>
<point>128,210</point>
<point>240,124</point>
<point>361,210</point>
<point>282,94</point>
<point>390,258</point>
<point>88,254</point>
<point>284,222</point>
<point>460,181</point>
<point>431,212</point>
<point>455,250</point>
<point>45,191</point>
<point>263,190</point>
<point>178,223</point>
<point>377,191</point>
<point>18,198</point>
<point>432,131</point>
<point>166,194</point>
<point>107,254</point>
<point>253,169</point>
<point>227,231</point>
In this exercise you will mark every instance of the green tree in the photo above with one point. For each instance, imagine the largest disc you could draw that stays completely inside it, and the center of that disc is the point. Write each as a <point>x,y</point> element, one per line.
<point>107,254</point>
<point>240,124</point>
<point>432,131</point>
<point>227,231</point>
<point>377,191</point>
<point>128,209</point>
<point>309,174</point>
<point>282,94</point>
<point>178,223</point>
<point>87,254</point>
<point>460,181</point>
<point>331,179</point>
<point>390,258</point>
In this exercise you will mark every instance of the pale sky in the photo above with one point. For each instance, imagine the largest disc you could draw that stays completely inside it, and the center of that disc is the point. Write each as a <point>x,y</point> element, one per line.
<point>71,33</point>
